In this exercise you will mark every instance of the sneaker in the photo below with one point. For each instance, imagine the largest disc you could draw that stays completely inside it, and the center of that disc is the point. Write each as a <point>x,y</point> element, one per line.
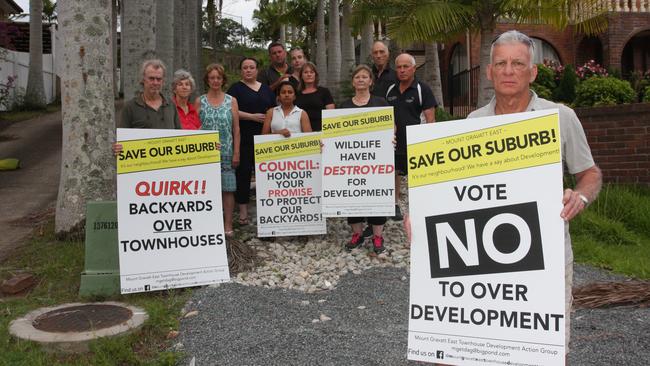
<point>367,232</point>
<point>355,242</point>
<point>398,214</point>
<point>378,243</point>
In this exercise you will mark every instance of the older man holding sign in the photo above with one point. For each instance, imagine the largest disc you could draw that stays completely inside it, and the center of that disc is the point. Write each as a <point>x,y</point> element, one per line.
<point>490,280</point>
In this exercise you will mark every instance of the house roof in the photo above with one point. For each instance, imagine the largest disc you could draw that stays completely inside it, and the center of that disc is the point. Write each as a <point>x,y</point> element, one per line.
<point>10,7</point>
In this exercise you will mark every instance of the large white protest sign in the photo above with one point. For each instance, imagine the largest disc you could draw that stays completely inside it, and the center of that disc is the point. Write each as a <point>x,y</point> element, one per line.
<point>487,255</point>
<point>358,162</point>
<point>169,210</point>
<point>288,185</point>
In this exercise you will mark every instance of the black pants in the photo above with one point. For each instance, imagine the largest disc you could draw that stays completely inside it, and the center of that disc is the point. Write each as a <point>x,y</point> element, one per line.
<point>243,174</point>
<point>375,220</point>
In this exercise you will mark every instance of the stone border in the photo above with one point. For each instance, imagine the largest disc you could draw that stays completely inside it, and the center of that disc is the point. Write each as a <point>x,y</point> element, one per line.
<point>73,342</point>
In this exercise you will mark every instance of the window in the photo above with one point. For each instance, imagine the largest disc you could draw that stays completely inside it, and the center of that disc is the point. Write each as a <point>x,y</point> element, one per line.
<point>544,51</point>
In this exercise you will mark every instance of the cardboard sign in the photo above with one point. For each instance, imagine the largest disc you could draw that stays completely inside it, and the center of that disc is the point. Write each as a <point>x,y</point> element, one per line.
<point>288,185</point>
<point>169,210</point>
<point>487,254</point>
<point>358,162</point>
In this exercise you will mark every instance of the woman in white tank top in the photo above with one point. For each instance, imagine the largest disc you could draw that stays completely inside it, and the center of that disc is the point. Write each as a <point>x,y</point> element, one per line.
<point>286,118</point>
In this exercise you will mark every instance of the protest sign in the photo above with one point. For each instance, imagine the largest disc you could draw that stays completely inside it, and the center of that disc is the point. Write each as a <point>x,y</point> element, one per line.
<point>487,252</point>
<point>169,210</point>
<point>358,162</point>
<point>288,185</point>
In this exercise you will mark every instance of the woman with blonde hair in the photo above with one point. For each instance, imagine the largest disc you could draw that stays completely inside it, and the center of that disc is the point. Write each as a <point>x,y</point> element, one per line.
<point>362,82</point>
<point>219,112</point>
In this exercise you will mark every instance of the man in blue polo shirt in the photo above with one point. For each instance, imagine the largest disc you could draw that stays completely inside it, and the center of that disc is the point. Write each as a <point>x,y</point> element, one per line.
<point>414,103</point>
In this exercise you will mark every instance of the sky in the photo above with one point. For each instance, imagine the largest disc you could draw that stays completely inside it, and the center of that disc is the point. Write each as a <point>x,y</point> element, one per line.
<point>238,8</point>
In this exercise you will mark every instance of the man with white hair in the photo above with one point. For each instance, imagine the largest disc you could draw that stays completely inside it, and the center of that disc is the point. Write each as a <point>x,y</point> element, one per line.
<point>413,103</point>
<point>511,70</point>
<point>383,74</point>
<point>150,109</point>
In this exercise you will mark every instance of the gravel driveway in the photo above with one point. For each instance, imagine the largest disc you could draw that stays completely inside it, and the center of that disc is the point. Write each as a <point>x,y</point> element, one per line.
<point>252,325</point>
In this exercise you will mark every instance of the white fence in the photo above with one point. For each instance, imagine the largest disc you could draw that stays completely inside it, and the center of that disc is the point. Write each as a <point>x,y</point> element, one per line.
<point>16,64</point>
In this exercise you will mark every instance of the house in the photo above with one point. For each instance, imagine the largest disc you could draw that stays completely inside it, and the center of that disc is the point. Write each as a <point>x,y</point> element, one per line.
<point>624,47</point>
<point>8,8</point>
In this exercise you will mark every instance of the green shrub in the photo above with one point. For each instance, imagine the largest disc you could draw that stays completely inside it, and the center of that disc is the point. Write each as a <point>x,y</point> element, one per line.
<point>603,91</point>
<point>443,115</point>
<point>545,77</point>
<point>566,89</point>
<point>646,94</point>
<point>541,90</point>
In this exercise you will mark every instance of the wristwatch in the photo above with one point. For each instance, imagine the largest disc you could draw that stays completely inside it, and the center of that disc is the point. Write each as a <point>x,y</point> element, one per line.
<point>583,198</point>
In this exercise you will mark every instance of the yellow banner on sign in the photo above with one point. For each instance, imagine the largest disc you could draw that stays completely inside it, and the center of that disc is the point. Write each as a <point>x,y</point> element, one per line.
<point>287,148</point>
<point>168,152</point>
<point>352,124</point>
<point>518,145</point>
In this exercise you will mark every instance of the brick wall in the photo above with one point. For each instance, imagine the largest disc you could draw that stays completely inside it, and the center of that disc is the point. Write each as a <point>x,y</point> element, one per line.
<point>619,137</point>
<point>622,26</point>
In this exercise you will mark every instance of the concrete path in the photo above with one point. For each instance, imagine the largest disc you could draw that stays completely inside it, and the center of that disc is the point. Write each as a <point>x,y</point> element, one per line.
<point>28,193</point>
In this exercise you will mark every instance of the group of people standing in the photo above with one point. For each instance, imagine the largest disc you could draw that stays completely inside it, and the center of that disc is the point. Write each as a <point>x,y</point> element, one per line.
<point>287,99</point>
<point>284,98</point>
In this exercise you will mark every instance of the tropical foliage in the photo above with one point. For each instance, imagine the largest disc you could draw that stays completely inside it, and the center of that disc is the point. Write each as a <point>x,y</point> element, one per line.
<point>418,20</point>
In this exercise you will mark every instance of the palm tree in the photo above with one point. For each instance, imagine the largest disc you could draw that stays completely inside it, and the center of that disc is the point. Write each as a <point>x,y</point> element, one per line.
<point>347,42</point>
<point>434,20</point>
<point>88,111</point>
<point>334,48</point>
<point>35,91</point>
<point>138,41</point>
<point>165,38</point>
<point>321,46</point>
<point>432,70</point>
<point>212,27</point>
<point>367,38</point>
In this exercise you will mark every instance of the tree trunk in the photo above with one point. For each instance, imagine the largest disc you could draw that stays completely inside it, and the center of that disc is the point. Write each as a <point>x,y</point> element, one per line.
<point>347,43</point>
<point>367,39</point>
<point>334,49</point>
<point>116,78</point>
<point>88,110</point>
<point>138,41</point>
<point>321,46</point>
<point>35,92</point>
<point>212,27</point>
<point>485,88</point>
<point>196,46</point>
<point>181,36</point>
<point>165,39</point>
<point>432,70</point>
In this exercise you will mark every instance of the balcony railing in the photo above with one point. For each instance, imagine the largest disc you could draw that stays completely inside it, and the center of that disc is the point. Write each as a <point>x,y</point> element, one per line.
<point>583,10</point>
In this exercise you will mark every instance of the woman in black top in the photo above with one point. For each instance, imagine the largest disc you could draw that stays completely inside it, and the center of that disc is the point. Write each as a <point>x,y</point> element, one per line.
<point>313,98</point>
<point>254,99</point>
<point>362,82</point>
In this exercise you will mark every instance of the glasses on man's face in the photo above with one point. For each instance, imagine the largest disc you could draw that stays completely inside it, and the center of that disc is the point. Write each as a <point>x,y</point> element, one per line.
<point>516,65</point>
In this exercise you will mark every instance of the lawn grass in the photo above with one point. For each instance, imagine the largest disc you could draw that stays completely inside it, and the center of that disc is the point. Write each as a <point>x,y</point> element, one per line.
<point>614,232</point>
<point>58,265</point>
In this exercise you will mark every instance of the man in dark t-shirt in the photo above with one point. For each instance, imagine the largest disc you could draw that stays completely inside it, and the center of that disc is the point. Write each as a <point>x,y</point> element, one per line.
<point>413,101</point>
<point>383,75</point>
<point>279,70</point>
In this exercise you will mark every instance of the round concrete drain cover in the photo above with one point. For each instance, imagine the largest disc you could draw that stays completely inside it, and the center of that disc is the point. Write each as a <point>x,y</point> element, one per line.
<point>82,318</point>
<point>70,327</point>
